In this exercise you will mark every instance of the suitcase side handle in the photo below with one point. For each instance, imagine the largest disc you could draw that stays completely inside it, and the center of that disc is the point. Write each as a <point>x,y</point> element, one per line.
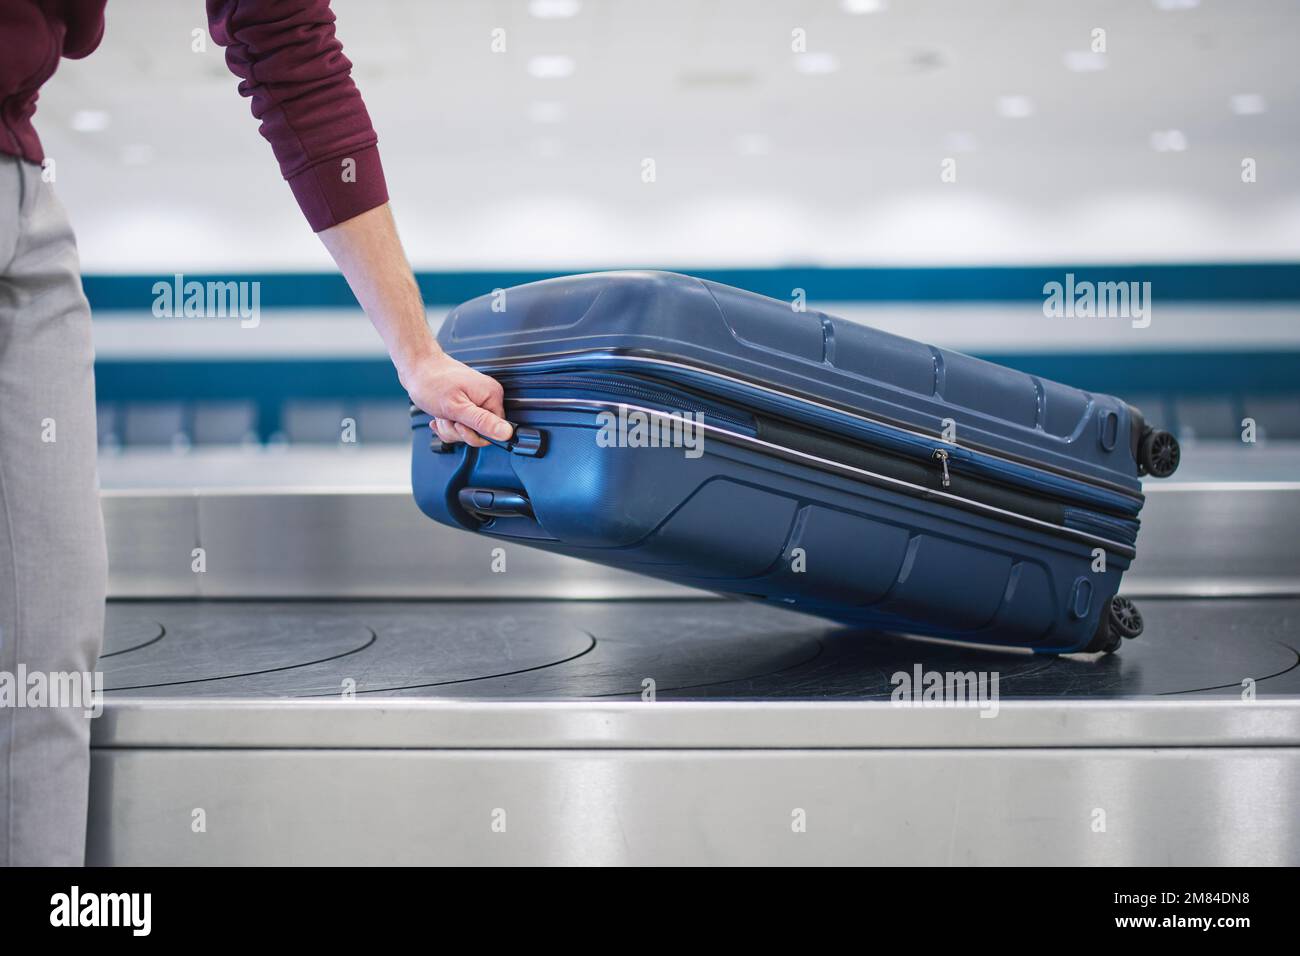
<point>495,502</point>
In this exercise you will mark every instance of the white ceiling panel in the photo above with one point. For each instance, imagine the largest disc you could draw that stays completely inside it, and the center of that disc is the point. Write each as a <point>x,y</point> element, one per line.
<point>758,161</point>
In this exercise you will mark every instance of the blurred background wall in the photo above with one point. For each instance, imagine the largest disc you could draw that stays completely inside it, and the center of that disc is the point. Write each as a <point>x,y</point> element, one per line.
<point>922,165</point>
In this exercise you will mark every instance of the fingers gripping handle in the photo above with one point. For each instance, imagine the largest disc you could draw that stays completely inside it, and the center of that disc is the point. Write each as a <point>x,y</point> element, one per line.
<point>528,442</point>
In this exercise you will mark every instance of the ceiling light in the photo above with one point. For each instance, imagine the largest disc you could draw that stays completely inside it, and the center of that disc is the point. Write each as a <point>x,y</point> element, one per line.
<point>90,121</point>
<point>816,63</point>
<point>554,9</point>
<point>862,6</point>
<point>552,67</point>
<point>1248,104</point>
<point>1168,141</point>
<point>546,112</point>
<point>1084,61</point>
<point>1015,107</point>
<point>1173,5</point>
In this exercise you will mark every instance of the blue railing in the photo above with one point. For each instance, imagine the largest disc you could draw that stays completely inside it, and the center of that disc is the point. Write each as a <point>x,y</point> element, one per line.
<point>1208,392</point>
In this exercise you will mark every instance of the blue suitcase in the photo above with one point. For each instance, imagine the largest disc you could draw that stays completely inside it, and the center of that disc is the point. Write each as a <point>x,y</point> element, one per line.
<point>724,440</point>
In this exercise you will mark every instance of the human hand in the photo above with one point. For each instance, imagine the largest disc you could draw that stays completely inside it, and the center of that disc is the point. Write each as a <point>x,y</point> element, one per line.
<point>465,404</point>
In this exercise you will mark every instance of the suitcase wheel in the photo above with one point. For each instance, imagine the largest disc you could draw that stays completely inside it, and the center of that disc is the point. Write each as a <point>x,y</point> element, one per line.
<point>1121,620</point>
<point>1159,454</point>
<point>1125,618</point>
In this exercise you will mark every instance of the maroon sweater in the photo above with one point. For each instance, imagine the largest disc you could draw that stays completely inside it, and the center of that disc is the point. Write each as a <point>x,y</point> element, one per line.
<point>289,63</point>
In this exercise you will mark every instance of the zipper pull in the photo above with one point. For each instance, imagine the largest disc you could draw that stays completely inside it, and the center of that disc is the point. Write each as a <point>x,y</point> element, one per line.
<point>941,456</point>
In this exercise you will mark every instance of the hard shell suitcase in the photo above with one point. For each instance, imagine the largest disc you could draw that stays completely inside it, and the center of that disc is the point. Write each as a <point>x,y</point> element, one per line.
<point>720,439</point>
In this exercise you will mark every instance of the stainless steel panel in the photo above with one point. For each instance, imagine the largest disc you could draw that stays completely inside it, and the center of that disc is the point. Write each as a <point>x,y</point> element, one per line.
<point>385,723</point>
<point>1218,538</point>
<point>380,545</point>
<point>1212,538</point>
<point>151,539</point>
<point>938,807</point>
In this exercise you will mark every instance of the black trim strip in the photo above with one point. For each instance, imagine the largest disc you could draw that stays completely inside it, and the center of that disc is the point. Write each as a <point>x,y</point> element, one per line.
<point>521,366</point>
<point>909,470</point>
<point>865,475</point>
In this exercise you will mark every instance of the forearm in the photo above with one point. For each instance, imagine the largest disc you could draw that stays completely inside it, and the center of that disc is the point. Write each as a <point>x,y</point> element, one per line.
<point>293,69</point>
<point>465,404</point>
<point>369,253</point>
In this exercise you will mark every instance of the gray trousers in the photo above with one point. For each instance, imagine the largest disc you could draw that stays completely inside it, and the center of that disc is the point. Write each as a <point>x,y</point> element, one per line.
<point>53,569</point>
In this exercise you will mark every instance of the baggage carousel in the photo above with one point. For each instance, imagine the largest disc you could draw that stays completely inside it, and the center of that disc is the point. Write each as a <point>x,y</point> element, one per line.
<point>345,682</point>
<point>691,649</point>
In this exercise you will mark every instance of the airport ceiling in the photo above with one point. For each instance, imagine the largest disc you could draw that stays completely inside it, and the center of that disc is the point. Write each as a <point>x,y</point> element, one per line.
<point>555,129</point>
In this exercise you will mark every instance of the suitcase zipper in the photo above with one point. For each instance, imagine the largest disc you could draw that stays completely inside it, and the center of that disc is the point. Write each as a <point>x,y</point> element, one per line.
<point>1014,506</point>
<point>897,439</point>
<point>1034,506</point>
<point>673,399</point>
<point>941,456</point>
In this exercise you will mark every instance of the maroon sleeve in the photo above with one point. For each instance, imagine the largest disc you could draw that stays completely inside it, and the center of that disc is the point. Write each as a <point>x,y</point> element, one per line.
<point>292,67</point>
